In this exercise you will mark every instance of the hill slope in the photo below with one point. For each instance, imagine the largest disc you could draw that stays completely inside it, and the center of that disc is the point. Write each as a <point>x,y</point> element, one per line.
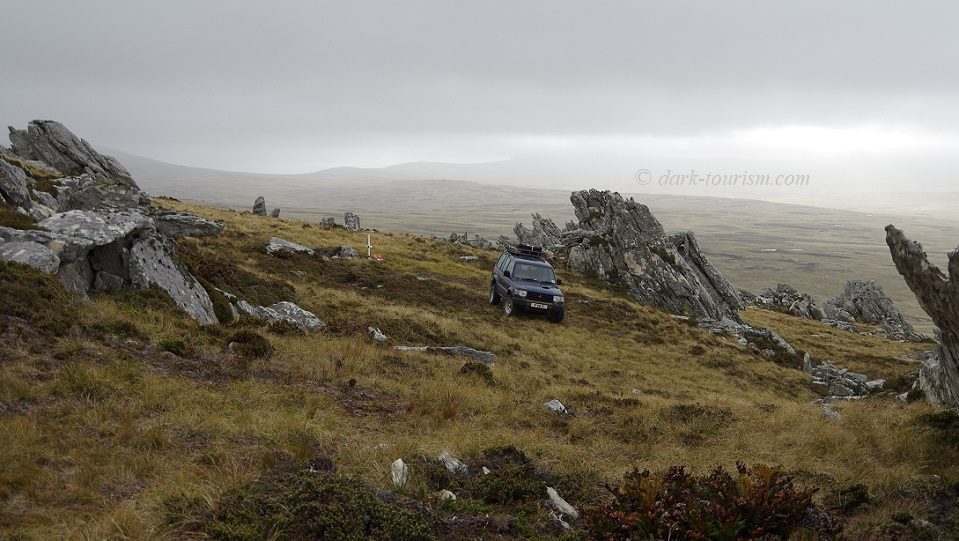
<point>123,418</point>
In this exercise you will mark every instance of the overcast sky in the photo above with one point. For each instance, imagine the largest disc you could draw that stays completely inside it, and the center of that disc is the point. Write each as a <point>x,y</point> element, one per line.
<point>285,86</point>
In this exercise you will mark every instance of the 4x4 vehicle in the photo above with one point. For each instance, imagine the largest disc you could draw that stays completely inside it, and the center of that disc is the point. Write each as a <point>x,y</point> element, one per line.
<point>523,280</point>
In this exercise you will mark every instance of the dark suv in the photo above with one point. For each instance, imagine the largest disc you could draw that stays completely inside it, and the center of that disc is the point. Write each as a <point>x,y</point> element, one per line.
<point>523,280</point>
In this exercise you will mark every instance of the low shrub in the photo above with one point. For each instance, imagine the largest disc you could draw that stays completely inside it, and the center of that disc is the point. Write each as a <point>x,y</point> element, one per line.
<point>759,502</point>
<point>946,424</point>
<point>37,297</point>
<point>480,371</point>
<point>305,505</point>
<point>251,344</point>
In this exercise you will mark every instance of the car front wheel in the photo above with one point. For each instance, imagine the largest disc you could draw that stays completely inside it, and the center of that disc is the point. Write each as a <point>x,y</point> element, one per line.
<point>557,316</point>
<point>508,307</point>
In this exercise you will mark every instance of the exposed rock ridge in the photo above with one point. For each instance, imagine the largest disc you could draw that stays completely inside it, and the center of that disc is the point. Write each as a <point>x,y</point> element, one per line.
<point>622,242</point>
<point>938,295</point>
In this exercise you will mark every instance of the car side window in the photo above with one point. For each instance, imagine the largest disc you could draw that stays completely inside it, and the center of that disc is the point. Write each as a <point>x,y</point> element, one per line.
<point>499,264</point>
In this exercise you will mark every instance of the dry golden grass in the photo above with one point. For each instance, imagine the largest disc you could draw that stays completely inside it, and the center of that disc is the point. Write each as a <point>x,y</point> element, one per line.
<point>106,433</point>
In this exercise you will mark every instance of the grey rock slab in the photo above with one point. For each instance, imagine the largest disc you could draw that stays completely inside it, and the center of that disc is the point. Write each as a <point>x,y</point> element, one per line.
<point>98,227</point>
<point>153,261</point>
<point>33,254</point>
<point>13,185</point>
<point>183,224</point>
<point>282,246</point>
<point>483,357</point>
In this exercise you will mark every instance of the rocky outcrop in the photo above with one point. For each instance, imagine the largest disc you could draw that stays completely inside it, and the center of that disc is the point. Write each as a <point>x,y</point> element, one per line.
<point>259,206</point>
<point>784,298</point>
<point>275,213</point>
<point>464,239</point>
<point>763,341</point>
<point>351,222</point>
<point>864,301</point>
<point>544,233</point>
<point>840,383</point>
<point>51,143</point>
<point>621,241</point>
<point>938,294</point>
<point>97,231</point>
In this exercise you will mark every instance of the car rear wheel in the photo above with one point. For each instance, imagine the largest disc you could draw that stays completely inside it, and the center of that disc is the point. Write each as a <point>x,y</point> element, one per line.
<point>493,294</point>
<point>508,307</point>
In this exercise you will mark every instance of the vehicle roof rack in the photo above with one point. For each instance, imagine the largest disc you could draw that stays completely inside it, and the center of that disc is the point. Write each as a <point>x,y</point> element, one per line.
<point>526,249</point>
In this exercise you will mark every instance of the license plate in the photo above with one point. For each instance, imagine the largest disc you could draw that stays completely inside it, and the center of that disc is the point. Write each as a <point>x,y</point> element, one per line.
<point>538,305</point>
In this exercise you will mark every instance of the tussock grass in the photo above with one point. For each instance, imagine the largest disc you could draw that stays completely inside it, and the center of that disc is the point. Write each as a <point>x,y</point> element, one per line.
<point>107,435</point>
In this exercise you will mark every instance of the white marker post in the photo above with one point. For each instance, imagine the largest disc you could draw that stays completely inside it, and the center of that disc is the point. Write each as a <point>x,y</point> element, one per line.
<point>369,246</point>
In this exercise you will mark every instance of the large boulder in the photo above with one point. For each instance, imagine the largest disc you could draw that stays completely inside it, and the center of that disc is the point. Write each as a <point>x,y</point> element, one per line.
<point>282,312</point>
<point>50,142</point>
<point>938,294</point>
<point>621,241</point>
<point>351,222</point>
<point>784,298</point>
<point>259,206</point>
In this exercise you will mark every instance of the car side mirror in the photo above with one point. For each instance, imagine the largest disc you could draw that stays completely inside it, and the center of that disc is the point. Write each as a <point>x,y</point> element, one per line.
<point>559,281</point>
<point>506,274</point>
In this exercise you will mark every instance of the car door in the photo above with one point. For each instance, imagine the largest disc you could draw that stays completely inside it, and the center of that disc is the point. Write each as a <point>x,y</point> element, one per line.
<point>498,278</point>
<point>506,282</point>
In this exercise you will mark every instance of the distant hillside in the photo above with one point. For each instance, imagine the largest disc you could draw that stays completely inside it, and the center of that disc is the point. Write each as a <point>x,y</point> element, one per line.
<point>756,243</point>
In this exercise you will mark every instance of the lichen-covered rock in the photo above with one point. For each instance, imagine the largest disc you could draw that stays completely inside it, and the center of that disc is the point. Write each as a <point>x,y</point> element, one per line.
<point>621,241</point>
<point>351,221</point>
<point>36,255</point>
<point>938,295</point>
<point>182,224</point>
<point>286,312</point>
<point>101,228</point>
<point>784,298</point>
<point>88,193</point>
<point>259,206</point>
<point>275,213</point>
<point>278,246</point>
<point>50,142</point>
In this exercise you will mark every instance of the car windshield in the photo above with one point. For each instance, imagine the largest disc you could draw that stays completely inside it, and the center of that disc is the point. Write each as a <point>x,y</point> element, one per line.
<point>534,273</point>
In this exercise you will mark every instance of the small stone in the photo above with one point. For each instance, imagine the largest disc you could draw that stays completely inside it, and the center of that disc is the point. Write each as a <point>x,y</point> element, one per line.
<point>486,471</point>
<point>398,473</point>
<point>829,413</point>
<point>275,213</point>
<point>875,384</point>
<point>376,335</point>
<point>556,406</point>
<point>447,495</point>
<point>451,464</point>
<point>469,258</point>
<point>560,505</point>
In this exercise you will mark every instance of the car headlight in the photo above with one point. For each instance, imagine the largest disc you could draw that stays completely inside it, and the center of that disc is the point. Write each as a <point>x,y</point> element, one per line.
<point>558,299</point>
<point>519,293</point>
